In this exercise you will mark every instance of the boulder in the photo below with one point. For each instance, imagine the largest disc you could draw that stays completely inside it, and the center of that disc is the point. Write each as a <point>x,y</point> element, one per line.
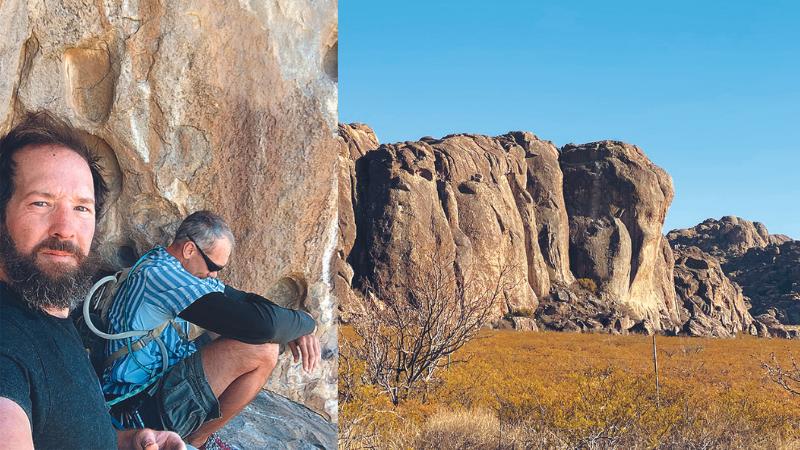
<point>192,112</point>
<point>767,325</point>
<point>524,324</point>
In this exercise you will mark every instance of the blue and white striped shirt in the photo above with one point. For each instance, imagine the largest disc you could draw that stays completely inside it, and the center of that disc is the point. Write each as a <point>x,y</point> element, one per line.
<point>156,291</point>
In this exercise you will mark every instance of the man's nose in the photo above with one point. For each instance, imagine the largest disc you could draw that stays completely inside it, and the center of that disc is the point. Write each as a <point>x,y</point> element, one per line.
<point>63,222</point>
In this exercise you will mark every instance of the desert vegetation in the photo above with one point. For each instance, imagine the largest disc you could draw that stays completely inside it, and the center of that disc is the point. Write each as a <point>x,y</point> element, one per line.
<point>515,390</point>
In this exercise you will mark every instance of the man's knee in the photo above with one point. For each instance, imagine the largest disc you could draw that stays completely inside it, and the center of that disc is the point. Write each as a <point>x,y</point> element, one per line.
<point>267,354</point>
<point>259,355</point>
<point>239,356</point>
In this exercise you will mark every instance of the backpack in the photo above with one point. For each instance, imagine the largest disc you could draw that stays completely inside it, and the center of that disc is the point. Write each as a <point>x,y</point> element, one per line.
<point>93,327</point>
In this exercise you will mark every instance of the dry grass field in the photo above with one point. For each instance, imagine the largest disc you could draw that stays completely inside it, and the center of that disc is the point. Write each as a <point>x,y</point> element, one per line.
<point>515,390</point>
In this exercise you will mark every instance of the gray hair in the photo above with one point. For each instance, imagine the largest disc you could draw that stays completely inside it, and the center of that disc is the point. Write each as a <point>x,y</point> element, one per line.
<point>205,228</point>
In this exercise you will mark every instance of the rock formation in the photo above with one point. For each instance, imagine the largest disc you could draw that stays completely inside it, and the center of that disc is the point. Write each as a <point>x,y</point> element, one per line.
<point>476,204</point>
<point>765,267</point>
<point>727,237</point>
<point>460,202</point>
<point>227,106</point>
<point>715,305</point>
<point>271,421</point>
<point>770,278</point>
<point>617,201</point>
<point>580,225</point>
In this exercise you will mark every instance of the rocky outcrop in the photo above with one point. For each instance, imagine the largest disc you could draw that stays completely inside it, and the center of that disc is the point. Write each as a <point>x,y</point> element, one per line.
<point>475,204</point>
<point>190,112</point>
<point>765,267</point>
<point>617,200</point>
<point>727,237</point>
<point>579,308</point>
<point>715,305</point>
<point>272,421</point>
<point>770,278</point>
<point>581,226</point>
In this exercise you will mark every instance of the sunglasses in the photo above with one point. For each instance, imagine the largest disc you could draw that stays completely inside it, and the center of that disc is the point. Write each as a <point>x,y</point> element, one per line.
<point>211,265</point>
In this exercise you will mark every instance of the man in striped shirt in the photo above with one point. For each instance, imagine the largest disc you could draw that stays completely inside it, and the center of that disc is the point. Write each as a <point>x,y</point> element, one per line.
<point>202,388</point>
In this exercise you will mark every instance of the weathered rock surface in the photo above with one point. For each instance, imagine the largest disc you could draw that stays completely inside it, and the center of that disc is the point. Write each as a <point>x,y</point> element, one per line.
<point>582,226</point>
<point>191,111</point>
<point>727,237</point>
<point>715,305</point>
<point>617,200</point>
<point>766,267</point>
<point>545,183</point>
<point>459,202</point>
<point>770,278</point>
<point>356,141</point>
<point>275,422</point>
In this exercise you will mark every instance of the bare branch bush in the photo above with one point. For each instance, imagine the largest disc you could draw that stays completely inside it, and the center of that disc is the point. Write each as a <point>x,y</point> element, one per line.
<point>405,340</point>
<point>787,378</point>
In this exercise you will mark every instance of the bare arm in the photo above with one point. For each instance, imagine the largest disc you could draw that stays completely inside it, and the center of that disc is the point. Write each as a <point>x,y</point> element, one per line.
<point>15,426</point>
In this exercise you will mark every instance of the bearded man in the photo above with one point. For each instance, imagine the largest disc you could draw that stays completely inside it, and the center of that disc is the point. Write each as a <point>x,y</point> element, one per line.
<point>51,197</point>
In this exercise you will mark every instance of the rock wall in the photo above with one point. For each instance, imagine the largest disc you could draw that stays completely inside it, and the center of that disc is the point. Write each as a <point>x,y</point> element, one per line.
<point>592,212</point>
<point>226,106</point>
<point>459,202</point>
<point>580,225</point>
<point>355,141</point>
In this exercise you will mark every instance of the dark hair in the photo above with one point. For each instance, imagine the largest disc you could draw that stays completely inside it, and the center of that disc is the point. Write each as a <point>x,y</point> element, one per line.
<point>43,128</point>
<point>205,227</point>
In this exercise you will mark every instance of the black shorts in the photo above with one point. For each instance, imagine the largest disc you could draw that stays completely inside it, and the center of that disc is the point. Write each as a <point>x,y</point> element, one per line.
<point>183,400</point>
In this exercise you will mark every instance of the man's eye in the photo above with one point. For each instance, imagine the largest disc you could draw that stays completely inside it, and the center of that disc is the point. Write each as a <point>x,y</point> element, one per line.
<point>82,209</point>
<point>40,204</point>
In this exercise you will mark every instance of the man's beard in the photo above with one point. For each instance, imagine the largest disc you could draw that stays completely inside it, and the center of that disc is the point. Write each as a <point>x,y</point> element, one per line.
<point>60,287</point>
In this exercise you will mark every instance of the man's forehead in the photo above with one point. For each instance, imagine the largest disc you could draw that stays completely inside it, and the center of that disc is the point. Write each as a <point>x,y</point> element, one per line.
<point>54,164</point>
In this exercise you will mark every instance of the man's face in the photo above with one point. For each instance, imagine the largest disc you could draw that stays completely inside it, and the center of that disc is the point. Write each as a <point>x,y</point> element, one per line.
<point>49,224</point>
<point>194,262</point>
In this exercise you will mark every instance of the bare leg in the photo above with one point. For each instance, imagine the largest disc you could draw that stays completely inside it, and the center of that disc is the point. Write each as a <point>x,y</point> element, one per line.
<point>236,372</point>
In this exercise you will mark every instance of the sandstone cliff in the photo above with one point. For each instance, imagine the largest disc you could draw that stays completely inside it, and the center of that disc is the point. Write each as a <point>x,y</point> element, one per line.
<point>227,106</point>
<point>479,204</point>
<point>581,226</point>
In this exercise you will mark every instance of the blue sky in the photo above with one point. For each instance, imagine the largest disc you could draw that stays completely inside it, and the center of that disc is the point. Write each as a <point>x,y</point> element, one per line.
<point>709,89</point>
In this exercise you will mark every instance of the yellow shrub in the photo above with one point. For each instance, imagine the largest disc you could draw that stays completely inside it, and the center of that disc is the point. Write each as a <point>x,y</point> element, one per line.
<point>565,390</point>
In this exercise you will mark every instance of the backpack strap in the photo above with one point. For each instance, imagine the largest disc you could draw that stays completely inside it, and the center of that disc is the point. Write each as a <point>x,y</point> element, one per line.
<point>138,344</point>
<point>194,332</point>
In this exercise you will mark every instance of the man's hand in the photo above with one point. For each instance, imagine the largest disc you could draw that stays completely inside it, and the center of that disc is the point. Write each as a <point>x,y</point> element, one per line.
<point>148,439</point>
<point>308,347</point>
